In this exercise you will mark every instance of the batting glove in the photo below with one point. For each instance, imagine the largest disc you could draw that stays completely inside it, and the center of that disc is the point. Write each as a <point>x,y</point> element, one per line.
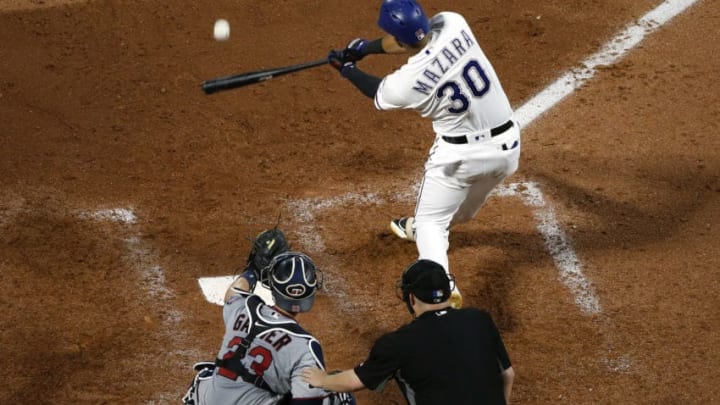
<point>338,61</point>
<point>355,50</point>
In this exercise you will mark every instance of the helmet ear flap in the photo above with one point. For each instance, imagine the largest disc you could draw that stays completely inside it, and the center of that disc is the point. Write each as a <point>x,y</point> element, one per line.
<point>451,278</point>
<point>264,277</point>
<point>403,288</point>
<point>406,299</point>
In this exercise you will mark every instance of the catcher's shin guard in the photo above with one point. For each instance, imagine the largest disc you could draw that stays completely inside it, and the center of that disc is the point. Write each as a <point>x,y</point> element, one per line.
<point>204,371</point>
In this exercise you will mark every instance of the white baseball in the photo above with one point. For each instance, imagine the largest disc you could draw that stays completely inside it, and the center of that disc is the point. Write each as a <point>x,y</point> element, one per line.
<point>222,30</point>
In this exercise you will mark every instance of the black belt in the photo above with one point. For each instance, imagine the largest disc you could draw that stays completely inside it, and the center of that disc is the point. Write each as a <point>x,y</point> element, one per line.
<point>459,140</point>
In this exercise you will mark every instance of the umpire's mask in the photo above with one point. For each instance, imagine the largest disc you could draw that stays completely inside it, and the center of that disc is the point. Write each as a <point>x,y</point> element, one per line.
<point>427,281</point>
<point>293,280</point>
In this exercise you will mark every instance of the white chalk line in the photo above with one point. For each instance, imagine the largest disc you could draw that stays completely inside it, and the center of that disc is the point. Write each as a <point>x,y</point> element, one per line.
<point>144,261</point>
<point>558,244</point>
<point>556,241</point>
<point>120,215</point>
<point>141,258</point>
<point>609,54</point>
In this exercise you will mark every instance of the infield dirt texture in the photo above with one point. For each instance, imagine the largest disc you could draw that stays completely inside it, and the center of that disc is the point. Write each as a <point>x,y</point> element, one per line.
<point>122,184</point>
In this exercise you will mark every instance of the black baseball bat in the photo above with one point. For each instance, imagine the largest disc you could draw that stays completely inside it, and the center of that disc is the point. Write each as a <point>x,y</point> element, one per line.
<point>244,79</point>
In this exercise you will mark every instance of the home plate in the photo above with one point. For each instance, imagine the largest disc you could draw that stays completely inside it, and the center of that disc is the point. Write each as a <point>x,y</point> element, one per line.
<point>214,289</point>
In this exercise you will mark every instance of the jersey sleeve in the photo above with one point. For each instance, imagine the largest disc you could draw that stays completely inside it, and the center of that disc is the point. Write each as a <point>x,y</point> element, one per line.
<point>312,357</point>
<point>236,294</point>
<point>391,94</point>
<point>381,364</point>
<point>500,351</point>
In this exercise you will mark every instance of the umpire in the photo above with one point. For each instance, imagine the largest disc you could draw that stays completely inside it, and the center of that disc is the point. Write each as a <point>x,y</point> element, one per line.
<point>444,356</point>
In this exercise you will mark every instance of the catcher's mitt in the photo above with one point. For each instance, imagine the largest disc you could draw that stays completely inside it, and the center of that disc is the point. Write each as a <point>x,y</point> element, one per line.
<point>268,244</point>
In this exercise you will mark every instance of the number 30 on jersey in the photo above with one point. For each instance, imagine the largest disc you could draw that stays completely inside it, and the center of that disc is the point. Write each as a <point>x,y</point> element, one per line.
<point>476,81</point>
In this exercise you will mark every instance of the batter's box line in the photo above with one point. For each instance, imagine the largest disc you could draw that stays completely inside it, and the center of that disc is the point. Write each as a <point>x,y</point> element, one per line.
<point>140,257</point>
<point>556,240</point>
<point>558,244</point>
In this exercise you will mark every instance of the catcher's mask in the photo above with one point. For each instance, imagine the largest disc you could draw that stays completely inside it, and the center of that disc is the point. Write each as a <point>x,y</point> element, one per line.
<point>405,20</point>
<point>293,280</point>
<point>427,281</point>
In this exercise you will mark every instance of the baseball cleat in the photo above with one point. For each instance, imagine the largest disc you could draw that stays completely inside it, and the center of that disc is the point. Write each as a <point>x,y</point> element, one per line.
<point>403,228</point>
<point>455,298</point>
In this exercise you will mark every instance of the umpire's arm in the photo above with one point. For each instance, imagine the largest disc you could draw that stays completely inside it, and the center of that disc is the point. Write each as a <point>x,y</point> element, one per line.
<point>508,375</point>
<point>344,381</point>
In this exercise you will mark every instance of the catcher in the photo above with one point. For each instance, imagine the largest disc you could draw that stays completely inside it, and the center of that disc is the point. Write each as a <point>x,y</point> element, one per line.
<point>264,348</point>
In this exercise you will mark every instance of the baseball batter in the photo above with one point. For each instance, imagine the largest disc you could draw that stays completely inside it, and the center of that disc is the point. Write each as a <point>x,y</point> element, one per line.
<point>448,79</point>
<point>264,349</point>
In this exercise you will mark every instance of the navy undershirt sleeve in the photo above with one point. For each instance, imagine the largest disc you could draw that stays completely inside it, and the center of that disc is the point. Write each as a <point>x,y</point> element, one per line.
<point>374,46</point>
<point>366,83</point>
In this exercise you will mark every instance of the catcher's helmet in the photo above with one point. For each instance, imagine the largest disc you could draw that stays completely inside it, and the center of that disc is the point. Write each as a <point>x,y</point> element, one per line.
<point>427,281</point>
<point>293,281</point>
<point>405,20</point>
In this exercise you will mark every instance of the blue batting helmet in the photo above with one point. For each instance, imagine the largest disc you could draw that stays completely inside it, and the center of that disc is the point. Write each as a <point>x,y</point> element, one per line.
<point>405,20</point>
<point>293,280</point>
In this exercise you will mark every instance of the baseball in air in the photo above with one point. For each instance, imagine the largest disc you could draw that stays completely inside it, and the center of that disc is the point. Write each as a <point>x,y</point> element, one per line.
<point>222,30</point>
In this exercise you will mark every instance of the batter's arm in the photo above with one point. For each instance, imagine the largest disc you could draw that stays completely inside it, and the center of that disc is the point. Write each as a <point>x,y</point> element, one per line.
<point>365,82</point>
<point>386,44</point>
<point>390,45</point>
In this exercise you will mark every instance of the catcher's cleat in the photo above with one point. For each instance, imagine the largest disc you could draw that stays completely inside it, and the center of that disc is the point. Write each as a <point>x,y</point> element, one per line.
<point>455,298</point>
<point>403,228</point>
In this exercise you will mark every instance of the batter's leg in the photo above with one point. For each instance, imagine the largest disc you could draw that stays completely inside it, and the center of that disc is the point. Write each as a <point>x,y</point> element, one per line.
<point>437,203</point>
<point>496,169</point>
<point>475,199</point>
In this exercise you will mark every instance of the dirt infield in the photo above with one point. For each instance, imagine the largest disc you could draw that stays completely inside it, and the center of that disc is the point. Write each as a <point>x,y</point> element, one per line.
<point>121,184</point>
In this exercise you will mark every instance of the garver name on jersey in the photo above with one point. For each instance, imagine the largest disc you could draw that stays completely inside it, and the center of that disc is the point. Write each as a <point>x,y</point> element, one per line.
<point>277,338</point>
<point>440,64</point>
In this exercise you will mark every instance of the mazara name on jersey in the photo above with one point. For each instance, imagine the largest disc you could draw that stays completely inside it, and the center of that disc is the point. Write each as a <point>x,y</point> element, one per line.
<point>443,62</point>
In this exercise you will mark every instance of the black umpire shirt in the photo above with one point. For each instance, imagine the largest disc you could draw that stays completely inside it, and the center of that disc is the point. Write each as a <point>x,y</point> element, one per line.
<point>442,357</point>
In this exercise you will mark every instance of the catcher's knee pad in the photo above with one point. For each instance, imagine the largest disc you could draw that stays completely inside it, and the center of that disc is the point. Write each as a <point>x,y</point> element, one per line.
<point>203,371</point>
<point>340,398</point>
<point>203,365</point>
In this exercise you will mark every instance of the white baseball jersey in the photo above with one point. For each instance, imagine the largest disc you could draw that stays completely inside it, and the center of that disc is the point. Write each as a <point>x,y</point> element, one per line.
<point>477,142</point>
<point>450,80</point>
<point>277,354</point>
